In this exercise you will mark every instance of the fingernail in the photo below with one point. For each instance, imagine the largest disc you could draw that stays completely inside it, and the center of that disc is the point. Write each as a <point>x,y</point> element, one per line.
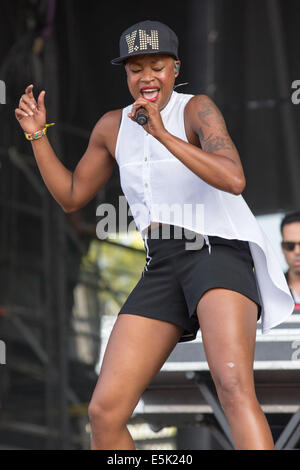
<point>31,114</point>
<point>32,106</point>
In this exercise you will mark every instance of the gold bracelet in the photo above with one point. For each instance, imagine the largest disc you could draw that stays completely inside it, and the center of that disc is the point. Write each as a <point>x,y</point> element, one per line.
<point>38,134</point>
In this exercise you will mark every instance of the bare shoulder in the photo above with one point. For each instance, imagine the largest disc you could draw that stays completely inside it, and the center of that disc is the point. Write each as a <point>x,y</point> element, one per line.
<point>202,107</point>
<point>201,100</point>
<point>110,121</point>
<point>106,130</point>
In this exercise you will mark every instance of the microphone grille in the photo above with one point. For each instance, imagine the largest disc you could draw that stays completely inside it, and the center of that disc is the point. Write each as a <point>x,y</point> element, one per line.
<point>141,119</point>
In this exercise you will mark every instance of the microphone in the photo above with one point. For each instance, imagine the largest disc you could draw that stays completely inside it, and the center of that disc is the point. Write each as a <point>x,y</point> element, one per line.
<point>141,116</point>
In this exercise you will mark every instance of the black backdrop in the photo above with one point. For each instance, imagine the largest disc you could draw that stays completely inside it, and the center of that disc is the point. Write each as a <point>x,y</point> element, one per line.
<point>244,76</point>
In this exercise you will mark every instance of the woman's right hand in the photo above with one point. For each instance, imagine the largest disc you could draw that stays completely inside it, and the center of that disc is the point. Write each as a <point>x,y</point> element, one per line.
<point>31,114</point>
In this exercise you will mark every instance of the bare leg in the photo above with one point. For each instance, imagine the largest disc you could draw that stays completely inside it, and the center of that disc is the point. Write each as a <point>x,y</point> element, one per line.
<point>125,441</point>
<point>136,351</point>
<point>228,326</point>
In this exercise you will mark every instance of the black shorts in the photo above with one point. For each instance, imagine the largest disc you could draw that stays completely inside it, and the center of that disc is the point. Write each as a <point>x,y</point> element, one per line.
<point>174,277</point>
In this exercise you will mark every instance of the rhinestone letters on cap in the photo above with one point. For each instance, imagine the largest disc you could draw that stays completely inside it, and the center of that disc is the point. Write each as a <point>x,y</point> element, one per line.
<point>144,38</point>
<point>130,38</point>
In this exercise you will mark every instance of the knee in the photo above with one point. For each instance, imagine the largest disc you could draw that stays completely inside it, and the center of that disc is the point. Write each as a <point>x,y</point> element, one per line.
<point>233,390</point>
<point>95,413</point>
<point>100,413</point>
<point>107,413</point>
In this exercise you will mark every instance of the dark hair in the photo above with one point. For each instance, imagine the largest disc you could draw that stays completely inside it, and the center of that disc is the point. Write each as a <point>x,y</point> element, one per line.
<point>289,218</point>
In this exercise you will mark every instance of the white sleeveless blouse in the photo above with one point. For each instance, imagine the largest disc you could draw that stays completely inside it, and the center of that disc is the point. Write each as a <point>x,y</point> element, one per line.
<point>160,188</point>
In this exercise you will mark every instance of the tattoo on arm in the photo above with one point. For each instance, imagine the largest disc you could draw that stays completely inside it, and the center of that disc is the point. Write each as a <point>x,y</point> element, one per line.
<point>214,143</point>
<point>219,139</point>
<point>209,109</point>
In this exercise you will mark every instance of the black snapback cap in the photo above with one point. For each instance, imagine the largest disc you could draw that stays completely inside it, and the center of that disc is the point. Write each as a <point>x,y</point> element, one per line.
<point>147,37</point>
